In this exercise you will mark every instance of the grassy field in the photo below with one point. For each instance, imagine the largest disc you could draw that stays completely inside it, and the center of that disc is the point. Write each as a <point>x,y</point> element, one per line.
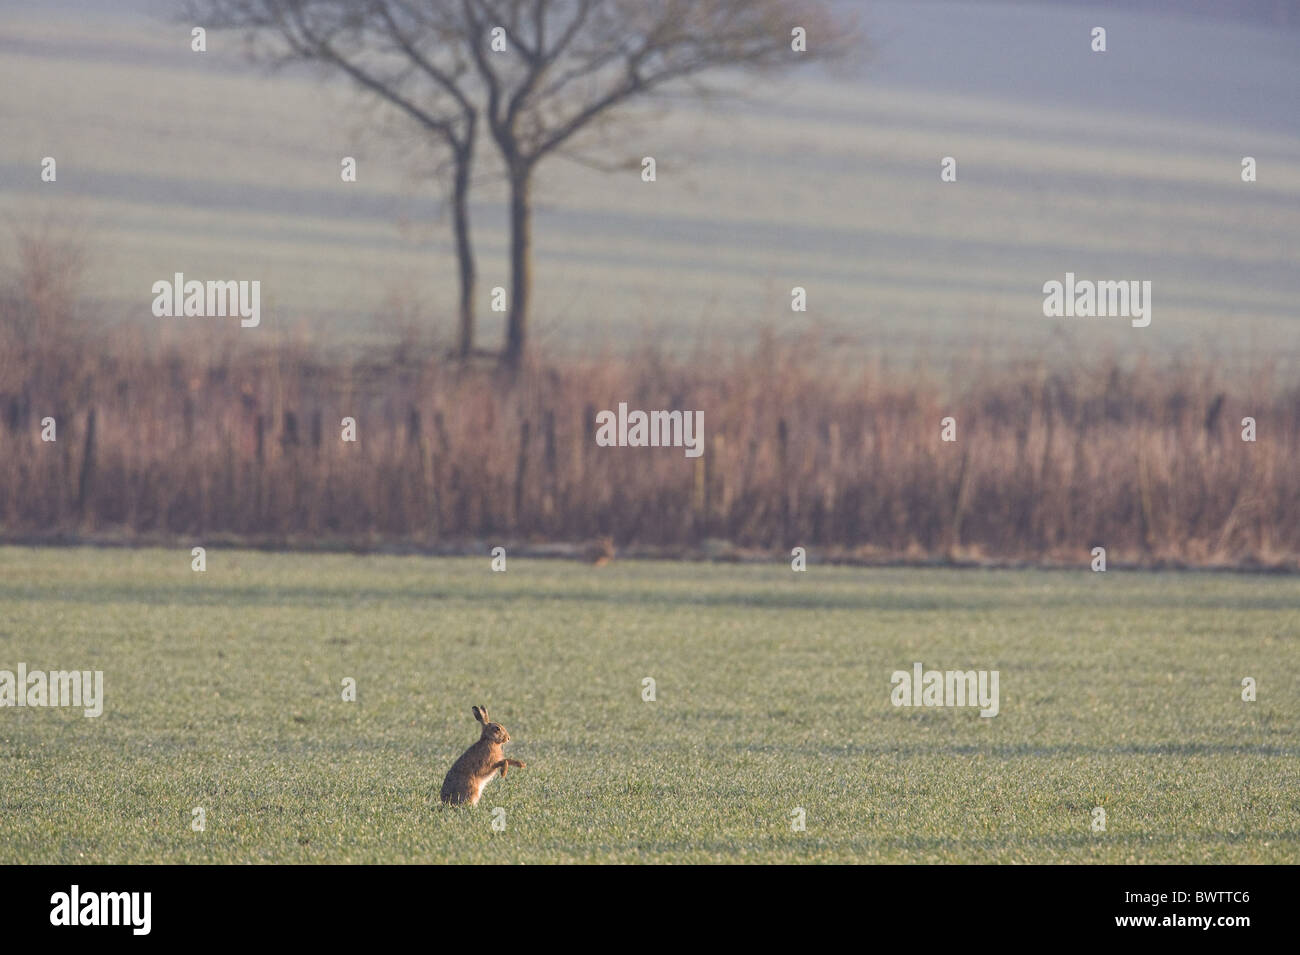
<point>223,690</point>
<point>209,166</point>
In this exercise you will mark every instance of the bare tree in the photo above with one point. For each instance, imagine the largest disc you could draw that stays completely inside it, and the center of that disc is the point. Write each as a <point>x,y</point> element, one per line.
<point>564,64</point>
<point>411,55</point>
<point>539,72</point>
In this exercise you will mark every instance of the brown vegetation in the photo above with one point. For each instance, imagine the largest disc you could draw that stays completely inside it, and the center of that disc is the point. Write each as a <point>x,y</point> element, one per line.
<point>205,439</point>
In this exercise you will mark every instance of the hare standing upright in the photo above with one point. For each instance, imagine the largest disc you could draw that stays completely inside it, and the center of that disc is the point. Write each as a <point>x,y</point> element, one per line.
<point>478,764</point>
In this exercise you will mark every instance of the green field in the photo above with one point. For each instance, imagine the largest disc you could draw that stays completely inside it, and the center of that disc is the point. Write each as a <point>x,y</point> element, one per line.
<point>223,691</point>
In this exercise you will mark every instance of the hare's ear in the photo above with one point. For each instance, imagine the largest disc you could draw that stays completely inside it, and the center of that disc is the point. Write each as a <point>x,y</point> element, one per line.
<point>479,715</point>
<point>483,710</point>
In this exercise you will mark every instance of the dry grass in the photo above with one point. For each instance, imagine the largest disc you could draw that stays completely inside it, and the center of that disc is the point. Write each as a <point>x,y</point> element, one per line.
<point>202,437</point>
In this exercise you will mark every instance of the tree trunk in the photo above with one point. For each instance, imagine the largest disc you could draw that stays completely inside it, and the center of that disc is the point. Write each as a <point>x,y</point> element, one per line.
<point>521,266</point>
<point>465,255</point>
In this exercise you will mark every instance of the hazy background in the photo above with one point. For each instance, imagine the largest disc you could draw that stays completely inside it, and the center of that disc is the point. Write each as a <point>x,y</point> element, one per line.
<point>1117,165</point>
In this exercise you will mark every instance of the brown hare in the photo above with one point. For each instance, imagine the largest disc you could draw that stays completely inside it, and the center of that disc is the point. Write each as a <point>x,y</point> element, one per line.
<point>478,764</point>
<point>600,551</point>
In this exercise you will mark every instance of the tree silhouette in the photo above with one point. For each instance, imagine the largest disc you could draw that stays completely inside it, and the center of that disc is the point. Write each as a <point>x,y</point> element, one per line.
<point>538,72</point>
<point>567,64</point>
<point>407,54</point>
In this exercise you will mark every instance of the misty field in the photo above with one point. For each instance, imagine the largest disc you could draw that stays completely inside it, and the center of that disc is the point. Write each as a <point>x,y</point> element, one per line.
<point>223,691</point>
